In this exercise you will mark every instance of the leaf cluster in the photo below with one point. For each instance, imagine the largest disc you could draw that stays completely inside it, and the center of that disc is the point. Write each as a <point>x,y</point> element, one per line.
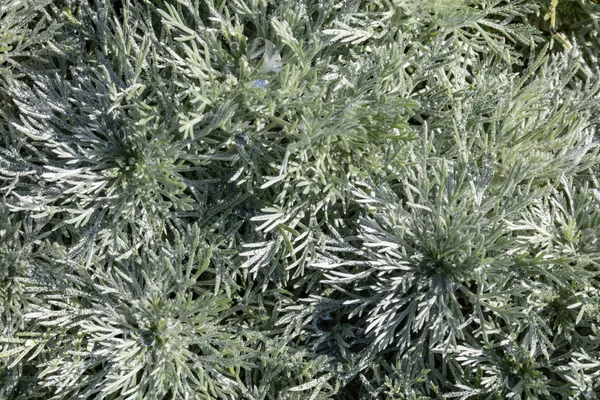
<point>259,199</point>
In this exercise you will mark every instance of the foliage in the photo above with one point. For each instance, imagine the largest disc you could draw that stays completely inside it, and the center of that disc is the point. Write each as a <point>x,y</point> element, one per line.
<point>257,199</point>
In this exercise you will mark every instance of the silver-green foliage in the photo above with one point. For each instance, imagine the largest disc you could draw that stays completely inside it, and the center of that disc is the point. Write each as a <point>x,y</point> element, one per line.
<point>256,199</point>
<point>24,25</point>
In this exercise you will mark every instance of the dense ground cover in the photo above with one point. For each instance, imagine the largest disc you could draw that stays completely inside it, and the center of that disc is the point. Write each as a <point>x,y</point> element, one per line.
<point>314,199</point>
